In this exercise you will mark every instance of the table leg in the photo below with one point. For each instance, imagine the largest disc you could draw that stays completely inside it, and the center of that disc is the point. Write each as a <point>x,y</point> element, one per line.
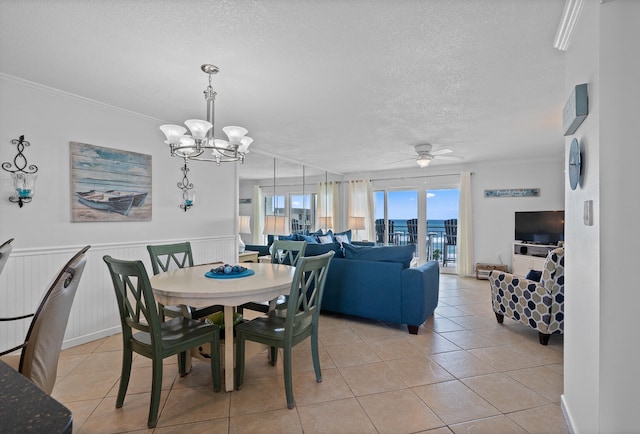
<point>228,348</point>
<point>186,312</point>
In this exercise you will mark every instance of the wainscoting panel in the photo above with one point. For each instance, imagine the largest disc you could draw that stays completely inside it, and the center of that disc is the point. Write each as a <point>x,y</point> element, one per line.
<point>94,313</point>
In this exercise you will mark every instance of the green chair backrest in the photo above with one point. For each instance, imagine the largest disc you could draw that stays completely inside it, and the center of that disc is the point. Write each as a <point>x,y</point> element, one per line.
<point>135,299</point>
<point>167,257</point>
<point>307,288</point>
<point>287,252</point>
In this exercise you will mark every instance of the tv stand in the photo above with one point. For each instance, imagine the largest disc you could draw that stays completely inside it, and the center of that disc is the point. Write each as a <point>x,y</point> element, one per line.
<point>528,256</point>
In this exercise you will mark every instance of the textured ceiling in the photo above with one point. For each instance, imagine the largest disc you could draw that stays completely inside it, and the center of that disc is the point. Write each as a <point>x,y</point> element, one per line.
<point>341,85</point>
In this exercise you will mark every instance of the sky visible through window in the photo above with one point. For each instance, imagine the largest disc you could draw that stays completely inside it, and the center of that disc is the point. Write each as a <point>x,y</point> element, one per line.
<point>441,204</point>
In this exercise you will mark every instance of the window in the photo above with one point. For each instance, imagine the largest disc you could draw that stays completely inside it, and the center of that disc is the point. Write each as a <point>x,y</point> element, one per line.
<point>302,212</point>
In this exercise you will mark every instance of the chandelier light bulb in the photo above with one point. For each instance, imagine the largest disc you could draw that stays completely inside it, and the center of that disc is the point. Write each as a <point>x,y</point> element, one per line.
<point>244,144</point>
<point>173,133</point>
<point>198,128</point>
<point>235,134</point>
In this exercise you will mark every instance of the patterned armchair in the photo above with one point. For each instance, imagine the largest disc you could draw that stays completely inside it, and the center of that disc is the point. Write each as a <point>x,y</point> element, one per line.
<point>537,304</point>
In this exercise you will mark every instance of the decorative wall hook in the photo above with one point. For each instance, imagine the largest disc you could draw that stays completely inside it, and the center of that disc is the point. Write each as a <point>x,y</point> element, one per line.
<point>188,193</point>
<point>24,181</point>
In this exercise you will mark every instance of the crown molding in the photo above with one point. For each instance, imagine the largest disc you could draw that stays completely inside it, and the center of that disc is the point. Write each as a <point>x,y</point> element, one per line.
<point>61,93</point>
<point>570,15</point>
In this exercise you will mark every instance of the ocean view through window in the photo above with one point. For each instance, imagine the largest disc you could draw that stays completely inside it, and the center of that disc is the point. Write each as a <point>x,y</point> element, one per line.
<point>402,206</point>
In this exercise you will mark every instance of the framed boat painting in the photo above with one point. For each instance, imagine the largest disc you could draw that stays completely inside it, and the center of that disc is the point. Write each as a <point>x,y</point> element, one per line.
<point>109,185</point>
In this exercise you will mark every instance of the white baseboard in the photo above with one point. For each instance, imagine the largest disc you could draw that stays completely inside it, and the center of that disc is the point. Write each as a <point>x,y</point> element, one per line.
<point>567,414</point>
<point>79,340</point>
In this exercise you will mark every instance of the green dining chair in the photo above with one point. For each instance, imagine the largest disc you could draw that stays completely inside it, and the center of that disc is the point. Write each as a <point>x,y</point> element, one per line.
<point>153,338</point>
<point>286,252</point>
<point>301,321</point>
<point>165,257</point>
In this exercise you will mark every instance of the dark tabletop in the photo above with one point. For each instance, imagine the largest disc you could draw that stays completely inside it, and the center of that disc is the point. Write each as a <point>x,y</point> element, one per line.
<point>25,408</point>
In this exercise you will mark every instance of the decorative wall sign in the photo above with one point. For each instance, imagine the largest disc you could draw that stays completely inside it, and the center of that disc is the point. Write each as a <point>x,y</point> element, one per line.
<point>575,110</point>
<point>109,185</point>
<point>513,192</point>
<point>243,201</point>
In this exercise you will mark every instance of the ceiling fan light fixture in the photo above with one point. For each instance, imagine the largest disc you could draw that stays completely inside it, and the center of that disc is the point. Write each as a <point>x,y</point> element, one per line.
<point>424,160</point>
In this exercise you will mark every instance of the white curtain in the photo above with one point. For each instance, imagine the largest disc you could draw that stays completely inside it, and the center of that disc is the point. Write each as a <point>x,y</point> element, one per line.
<point>464,262</point>
<point>258,215</point>
<point>360,204</point>
<point>328,204</point>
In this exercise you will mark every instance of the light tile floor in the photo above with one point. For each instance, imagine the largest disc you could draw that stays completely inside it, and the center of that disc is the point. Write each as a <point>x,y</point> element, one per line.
<point>463,372</point>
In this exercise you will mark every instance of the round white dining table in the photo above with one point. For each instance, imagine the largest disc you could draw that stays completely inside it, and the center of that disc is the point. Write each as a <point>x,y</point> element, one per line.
<point>189,287</point>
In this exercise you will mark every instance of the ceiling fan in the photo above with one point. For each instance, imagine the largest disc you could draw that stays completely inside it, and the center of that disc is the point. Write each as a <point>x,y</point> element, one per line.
<point>426,153</point>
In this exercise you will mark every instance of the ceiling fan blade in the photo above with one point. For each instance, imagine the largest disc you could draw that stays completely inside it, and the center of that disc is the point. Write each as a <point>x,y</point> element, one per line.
<point>448,157</point>
<point>441,152</point>
<point>404,159</point>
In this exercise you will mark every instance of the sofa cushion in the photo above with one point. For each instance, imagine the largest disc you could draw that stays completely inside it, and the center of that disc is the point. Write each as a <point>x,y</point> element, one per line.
<point>346,233</point>
<point>319,249</point>
<point>310,239</point>
<point>401,254</point>
<point>325,239</point>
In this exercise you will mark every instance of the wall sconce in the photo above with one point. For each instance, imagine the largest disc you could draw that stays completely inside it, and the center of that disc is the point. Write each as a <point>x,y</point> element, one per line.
<point>24,181</point>
<point>188,193</point>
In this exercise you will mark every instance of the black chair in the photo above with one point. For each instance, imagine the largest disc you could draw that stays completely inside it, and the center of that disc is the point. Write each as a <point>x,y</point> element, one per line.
<point>295,226</point>
<point>41,347</point>
<point>379,225</point>
<point>152,338</point>
<point>412,228</point>
<point>450,239</point>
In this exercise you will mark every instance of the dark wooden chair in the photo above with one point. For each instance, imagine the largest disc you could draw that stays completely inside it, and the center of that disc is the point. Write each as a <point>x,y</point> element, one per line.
<point>379,225</point>
<point>412,229</point>
<point>450,239</point>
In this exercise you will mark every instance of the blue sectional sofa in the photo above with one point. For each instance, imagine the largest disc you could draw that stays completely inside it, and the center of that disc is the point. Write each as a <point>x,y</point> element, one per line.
<point>377,283</point>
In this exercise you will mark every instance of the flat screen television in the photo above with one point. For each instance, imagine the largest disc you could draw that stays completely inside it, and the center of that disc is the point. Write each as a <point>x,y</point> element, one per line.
<point>540,227</point>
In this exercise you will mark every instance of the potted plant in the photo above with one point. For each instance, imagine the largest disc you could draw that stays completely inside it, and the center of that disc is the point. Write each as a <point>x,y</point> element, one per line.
<point>436,254</point>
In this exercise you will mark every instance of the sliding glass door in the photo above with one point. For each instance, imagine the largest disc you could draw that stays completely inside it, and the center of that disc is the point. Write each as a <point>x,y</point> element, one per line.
<point>396,213</point>
<point>442,221</point>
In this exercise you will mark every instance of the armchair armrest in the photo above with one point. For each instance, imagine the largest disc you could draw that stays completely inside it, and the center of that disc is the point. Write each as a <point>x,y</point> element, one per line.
<point>521,299</point>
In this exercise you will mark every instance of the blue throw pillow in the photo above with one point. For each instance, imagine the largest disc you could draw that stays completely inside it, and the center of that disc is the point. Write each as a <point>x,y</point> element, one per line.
<point>310,239</point>
<point>402,254</point>
<point>534,275</point>
<point>347,233</point>
<point>319,249</point>
<point>291,237</point>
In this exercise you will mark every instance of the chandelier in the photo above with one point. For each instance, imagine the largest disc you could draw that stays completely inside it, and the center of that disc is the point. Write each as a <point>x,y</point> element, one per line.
<point>201,145</point>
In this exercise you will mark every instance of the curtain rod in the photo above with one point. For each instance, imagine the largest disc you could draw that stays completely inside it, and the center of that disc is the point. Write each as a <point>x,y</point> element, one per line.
<point>418,177</point>
<point>296,185</point>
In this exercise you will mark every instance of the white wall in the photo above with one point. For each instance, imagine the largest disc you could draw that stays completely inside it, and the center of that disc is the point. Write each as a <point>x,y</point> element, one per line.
<point>44,235</point>
<point>619,154</point>
<point>601,352</point>
<point>582,272</point>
